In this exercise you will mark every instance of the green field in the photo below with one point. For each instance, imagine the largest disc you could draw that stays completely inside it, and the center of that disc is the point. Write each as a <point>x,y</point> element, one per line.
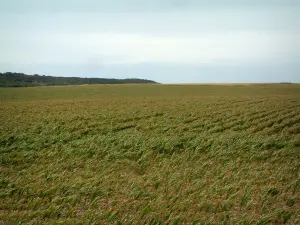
<point>150,154</point>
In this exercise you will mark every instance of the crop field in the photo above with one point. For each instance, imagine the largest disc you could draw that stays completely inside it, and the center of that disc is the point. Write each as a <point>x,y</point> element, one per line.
<point>150,154</point>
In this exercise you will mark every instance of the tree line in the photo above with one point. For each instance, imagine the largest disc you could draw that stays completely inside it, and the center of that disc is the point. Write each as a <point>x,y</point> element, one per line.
<point>10,79</point>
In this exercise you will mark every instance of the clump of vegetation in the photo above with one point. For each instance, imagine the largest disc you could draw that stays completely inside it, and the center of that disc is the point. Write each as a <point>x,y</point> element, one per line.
<point>152,154</point>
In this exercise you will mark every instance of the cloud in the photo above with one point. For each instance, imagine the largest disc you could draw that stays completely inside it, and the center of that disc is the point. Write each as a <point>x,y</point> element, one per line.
<point>122,48</point>
<point>133,5</point>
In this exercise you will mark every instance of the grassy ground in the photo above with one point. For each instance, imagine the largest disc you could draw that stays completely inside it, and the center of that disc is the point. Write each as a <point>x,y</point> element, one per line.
<point>150,154</point>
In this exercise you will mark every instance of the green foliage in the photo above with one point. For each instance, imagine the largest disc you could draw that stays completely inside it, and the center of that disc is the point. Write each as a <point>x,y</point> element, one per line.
<point>150,154</point>
<point>22,80</point>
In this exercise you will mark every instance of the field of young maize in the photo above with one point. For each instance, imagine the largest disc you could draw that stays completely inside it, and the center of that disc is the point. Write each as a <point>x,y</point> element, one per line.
<point>150,154</point>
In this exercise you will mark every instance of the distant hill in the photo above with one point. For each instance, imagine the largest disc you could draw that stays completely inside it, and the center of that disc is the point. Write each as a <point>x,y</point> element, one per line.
<point>22,80</point>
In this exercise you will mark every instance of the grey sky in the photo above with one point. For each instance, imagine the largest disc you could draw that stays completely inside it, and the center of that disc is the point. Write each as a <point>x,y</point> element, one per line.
<point>135,5</point>
<point>169,41</point>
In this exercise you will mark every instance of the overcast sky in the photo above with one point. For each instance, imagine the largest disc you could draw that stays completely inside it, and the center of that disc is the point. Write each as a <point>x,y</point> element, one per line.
<point>170,41</point>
